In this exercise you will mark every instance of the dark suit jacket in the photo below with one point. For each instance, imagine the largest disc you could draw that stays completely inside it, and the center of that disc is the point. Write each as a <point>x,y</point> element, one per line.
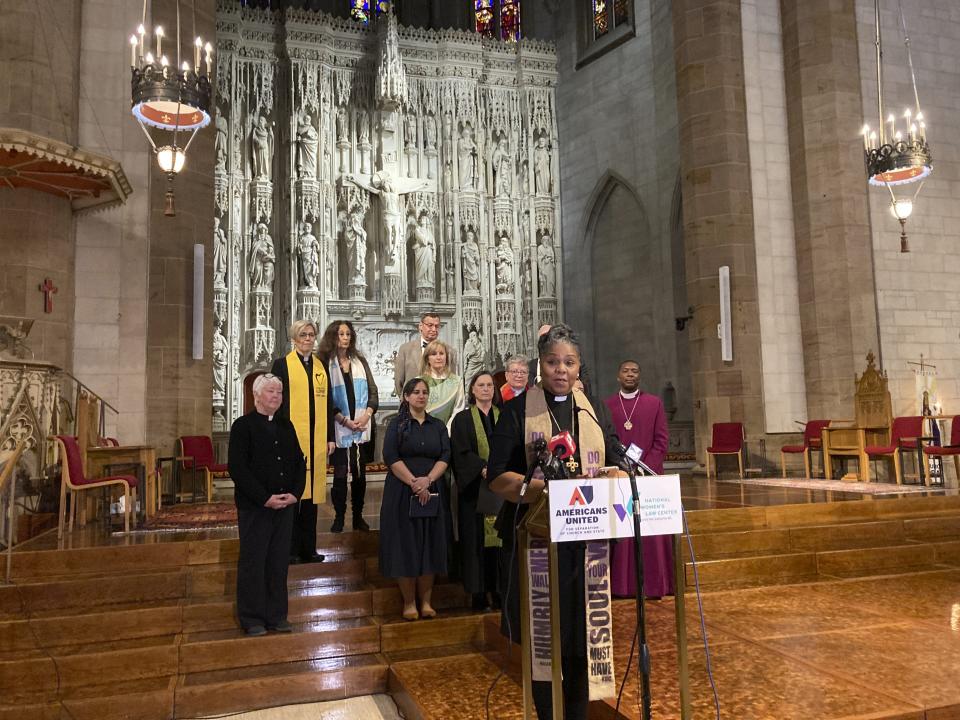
<point>407,365</point>
<point>265,459</point>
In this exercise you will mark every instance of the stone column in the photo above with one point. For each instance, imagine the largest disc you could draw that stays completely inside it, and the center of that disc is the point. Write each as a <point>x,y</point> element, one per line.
<point>39,93</point>
<point>717,212</point>
<point>834,256</point>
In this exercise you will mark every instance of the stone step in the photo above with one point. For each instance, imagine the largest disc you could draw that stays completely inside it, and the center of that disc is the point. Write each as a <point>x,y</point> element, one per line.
<point>139,554</point>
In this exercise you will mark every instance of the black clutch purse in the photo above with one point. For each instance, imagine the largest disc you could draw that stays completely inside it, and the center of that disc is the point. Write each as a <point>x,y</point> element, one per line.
<point>430,510</point>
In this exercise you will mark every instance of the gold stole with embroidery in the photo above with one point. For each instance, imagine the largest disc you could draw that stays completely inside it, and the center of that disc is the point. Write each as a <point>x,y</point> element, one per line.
<point>597,589</point>
<point>316,486</point>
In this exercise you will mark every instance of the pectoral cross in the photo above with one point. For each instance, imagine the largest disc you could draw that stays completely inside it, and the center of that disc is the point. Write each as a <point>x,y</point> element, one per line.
<point>572,465</point>
<point>48,289</point>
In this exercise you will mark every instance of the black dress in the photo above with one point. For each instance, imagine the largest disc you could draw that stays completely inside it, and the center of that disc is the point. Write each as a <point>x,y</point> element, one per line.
<point>467,465</point>
<point>411,547</point>
<point>507,454</point>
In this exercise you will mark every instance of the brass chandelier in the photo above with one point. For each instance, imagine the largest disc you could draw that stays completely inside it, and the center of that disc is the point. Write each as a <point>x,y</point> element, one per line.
<point>169,97</point>
<point>897,153</point>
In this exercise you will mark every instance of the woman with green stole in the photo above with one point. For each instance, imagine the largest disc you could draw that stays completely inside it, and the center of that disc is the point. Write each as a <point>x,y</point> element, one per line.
<point>446,387</point>
<point>478,506</point>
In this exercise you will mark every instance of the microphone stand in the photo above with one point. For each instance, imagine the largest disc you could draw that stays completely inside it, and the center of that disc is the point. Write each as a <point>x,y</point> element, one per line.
<point>631,467</point>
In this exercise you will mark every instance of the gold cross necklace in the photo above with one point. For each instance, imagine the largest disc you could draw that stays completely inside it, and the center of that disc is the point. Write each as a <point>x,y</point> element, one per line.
<point>628,424</point>
<point>571,463</point>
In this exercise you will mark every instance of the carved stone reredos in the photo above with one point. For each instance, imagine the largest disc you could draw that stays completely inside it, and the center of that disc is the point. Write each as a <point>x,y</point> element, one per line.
<point>314,114</point>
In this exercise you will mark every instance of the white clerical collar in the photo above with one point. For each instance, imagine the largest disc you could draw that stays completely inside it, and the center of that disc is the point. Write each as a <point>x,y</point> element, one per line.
<point>560,398</point>
<point>270,418</point>
<point>630,395</point>
<point>305,358</point>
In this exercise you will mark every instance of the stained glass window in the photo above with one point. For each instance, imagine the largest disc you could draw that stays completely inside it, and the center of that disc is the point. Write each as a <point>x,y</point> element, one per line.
<point>360,9</point>
<point>484,17</point>
<point>510,20</point>
<point>600,20</point>
<point>619,12</point>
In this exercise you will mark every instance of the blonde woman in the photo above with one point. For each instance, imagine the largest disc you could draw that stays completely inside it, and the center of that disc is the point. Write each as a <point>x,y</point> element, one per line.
<point>446,387</point>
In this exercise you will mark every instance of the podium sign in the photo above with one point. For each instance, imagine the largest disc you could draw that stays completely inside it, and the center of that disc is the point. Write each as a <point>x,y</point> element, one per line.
<point>601,508</point>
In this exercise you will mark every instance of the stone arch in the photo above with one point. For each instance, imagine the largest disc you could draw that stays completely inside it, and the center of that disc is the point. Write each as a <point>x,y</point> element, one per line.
<point>617,241</point>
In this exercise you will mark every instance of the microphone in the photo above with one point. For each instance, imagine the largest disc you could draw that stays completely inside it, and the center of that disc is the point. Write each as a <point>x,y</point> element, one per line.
<point>539,449</point>
<point>626,457</point>
<point>561,446</point>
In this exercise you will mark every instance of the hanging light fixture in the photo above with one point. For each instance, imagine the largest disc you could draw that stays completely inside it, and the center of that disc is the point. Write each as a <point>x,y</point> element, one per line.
<point>897,155</point>
<point>170,98</point>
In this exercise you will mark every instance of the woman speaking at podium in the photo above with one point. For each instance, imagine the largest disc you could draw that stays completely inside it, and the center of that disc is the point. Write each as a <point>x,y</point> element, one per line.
<point>544,411</point>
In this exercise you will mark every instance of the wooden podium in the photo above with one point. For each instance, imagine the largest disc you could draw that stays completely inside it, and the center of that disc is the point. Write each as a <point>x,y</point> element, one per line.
<point>534,532</point>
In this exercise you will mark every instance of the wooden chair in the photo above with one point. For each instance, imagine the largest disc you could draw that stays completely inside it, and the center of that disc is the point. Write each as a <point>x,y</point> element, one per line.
<point>196,455</point>
<point>942,451</point>
<point>74,481</point>
<point>904,435</point>
<point>727,440</point>
<point>811,441</point>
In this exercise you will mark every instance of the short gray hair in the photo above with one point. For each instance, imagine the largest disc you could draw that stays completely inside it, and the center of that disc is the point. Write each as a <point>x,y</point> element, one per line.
<point>561,333</point>
<point>516,360</point>
<point>263,380</point>
<point>298,325</point>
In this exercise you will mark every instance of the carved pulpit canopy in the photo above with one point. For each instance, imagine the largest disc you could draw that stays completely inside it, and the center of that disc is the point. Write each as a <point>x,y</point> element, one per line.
<point>871,398</point>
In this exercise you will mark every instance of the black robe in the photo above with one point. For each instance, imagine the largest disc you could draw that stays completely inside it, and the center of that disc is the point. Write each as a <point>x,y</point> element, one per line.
<point>467,465</point>
<point>507,453</point>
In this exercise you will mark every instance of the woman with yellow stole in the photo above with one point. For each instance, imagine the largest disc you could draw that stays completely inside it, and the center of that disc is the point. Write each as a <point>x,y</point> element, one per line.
<point>306,403</point>
<point>543,411</point>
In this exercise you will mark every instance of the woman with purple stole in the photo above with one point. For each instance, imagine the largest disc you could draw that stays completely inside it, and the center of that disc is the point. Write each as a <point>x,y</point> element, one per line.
<point>639,419</point>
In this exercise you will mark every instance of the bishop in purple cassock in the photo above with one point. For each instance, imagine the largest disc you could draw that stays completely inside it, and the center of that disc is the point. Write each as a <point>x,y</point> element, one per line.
<point>639,419</point>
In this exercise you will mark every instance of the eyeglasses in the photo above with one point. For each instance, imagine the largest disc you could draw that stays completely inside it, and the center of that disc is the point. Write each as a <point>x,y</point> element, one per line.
<point>519,371</point>
<point>307,335</point>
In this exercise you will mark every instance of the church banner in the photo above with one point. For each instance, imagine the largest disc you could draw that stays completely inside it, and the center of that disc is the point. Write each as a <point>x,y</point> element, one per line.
<point>538,576</point>
<point>601,508</point>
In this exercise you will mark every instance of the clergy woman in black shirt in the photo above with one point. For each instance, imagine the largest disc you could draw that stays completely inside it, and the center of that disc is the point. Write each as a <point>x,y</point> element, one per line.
<point>550,408</point>
<point>477,506</point>
<point>413,515</point>
<point>269,472</point>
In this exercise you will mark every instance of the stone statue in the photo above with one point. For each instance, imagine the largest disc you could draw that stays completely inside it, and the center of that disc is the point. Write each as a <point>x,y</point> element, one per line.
<point>410,131</point>
<point>504,265</point>
<point>262,259</point>
<point>309,250</point>
<point>325,133</point>
<point>363,127</point>
<point>331,268</point>
<point>466,152</point>
<point>219,255</point>
<point>391,216</point>
<point>472,356</point>
<point>356,245</point>
<point>220,143</point>
<point>343,132</point>
<point>448,130</point>
<point>430,131</point>
<point>220,351</point>
<point>541,167</point>
<point>470,264</point>
<point>262,135</point>
<point>546,267</point>
<point>307,142</point>
<point>503,168</point>
<point>424,253</point>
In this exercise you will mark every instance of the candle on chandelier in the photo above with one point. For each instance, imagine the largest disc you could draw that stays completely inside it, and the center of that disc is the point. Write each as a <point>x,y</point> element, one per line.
<point>159,33</point>
<point>149,59</point>
<point>209,48</point>
<point>197,44</point>
<point>866,138</point>
<point>893,125</point>
<point>873,139</point>
<point>133,51</point>
<point>913,133</point>
<point>141,31</point>
<point>186,69</point>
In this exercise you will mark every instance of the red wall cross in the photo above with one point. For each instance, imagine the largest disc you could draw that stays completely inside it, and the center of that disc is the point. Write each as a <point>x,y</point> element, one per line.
<point>48,289</point>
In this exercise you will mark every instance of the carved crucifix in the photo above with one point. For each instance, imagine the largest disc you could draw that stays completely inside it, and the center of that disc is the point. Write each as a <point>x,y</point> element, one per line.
<point>48,289</point>
<point>391,213</point>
